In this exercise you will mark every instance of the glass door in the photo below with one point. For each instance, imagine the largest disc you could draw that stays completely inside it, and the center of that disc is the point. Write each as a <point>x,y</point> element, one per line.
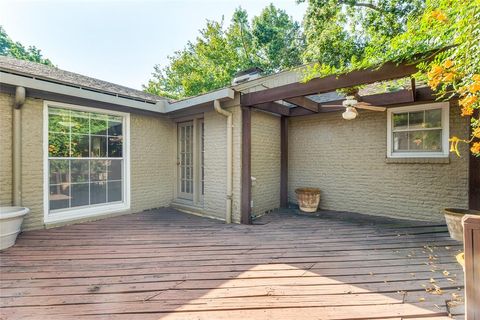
<point>185,160</point>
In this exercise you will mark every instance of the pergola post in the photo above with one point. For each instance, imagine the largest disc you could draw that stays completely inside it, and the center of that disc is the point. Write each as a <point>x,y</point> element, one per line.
<point>246,197</point>
<point>284,162</point>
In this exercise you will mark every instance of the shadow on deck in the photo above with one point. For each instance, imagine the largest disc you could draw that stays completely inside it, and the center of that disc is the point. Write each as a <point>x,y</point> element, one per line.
<point>168,265</point>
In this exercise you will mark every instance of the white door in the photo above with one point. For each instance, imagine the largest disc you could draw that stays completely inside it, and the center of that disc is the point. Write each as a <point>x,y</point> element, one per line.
<point>185,160</point>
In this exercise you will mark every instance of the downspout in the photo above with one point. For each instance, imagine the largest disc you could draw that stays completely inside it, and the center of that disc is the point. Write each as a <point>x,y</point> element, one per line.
<point>218,108</point>
<point>20,95</point>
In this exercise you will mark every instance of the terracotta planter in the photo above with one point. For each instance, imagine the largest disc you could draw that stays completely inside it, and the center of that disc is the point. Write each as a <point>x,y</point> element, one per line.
<point>308,199</point>
<point>453,217</point>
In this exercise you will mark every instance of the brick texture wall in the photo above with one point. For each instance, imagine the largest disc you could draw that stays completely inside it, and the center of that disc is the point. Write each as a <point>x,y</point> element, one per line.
<point>216,164</point>
<point>347,161</point>
<point>151,162</point>
<point>6,101</point>
<point>265,162</point>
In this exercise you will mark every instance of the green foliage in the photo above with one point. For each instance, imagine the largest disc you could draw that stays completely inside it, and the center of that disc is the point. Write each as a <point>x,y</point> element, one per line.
<point>339,32</point>
<point>271,41</point>
<point>16,50</point>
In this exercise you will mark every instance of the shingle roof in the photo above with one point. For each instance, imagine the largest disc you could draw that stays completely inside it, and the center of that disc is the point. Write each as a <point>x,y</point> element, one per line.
<point>53,74</point>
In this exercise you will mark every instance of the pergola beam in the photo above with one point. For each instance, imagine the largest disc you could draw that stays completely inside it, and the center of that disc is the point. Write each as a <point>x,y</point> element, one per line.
<point>274,107</point>
<point>388,71</point>
<point>304,102</point>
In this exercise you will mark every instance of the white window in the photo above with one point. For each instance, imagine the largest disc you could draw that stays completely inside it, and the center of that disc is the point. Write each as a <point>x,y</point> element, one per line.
<point>86,165</point>
<point>418,131</point>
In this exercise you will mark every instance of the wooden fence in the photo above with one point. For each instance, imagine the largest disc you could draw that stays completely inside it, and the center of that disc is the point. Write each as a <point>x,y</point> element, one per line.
<point>471,236</point>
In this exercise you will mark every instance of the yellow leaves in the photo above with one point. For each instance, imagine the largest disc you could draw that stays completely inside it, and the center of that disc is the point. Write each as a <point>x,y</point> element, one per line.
<point>445,273</point>
<point>476,132</point>
<point>475,149</point>
<point>467,104</point>
<point>454,145</point>
<point>476,77</point>
<point>474,87</point>
<point>448,63</point>
<point>438,15</point>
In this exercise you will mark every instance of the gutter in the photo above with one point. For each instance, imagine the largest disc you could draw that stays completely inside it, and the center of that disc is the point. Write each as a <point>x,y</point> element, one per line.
<point>229,115</point>
<point>20,95</point>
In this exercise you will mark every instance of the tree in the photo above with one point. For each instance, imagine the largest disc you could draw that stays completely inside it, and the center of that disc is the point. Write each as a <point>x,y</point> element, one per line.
<point>338,32</point>
<point>16,50</point>
<point>271,41</point>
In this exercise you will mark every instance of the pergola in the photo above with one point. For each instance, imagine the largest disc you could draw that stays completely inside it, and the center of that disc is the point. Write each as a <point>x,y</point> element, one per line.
<point>296,95</point>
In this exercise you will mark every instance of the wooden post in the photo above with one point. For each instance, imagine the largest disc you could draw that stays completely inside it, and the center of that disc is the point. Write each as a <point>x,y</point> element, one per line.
<point>471,241</point>
<point>284,162</point>
<point>246,200</point>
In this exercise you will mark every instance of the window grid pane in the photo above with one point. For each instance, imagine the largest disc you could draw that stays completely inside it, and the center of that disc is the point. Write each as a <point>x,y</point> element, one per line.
<point>417,131</point>
<point>82,169</point>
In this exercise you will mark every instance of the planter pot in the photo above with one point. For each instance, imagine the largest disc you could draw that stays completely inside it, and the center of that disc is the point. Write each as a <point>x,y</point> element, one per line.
<point>308,199</point>
<point>10,222</point>
<point>453,217</point>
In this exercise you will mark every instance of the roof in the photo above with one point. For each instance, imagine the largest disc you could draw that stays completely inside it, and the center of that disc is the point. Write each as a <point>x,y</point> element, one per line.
<point>54,74</point>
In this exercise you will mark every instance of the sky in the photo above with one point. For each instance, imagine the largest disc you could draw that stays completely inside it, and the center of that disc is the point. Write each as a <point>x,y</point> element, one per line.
<point>118,40</point>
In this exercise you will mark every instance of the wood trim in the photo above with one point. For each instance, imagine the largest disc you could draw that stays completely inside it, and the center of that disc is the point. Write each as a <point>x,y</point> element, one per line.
<point>246,196</point>
<point>274,107</point>
<point>474,176</point>
<point>305,103</point>
<point>284,162</point>
<point>387,71</point>
<point>471,240</point>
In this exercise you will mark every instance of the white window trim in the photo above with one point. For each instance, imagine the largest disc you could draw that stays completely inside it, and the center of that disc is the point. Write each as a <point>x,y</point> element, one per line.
<point>445,131</point>
<point>92,210</point>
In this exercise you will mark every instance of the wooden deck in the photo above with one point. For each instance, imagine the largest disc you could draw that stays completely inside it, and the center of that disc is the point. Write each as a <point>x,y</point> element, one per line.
<point>167,265</point>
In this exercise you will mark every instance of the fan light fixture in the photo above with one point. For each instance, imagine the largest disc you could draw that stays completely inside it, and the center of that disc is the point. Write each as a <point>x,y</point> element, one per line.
<point>350,112</point>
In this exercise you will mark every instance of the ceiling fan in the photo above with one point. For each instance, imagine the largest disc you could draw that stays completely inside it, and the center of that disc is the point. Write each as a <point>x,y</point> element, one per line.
<point>351,104</point>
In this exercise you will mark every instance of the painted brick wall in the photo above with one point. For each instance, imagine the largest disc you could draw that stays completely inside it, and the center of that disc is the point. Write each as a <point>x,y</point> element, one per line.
<point>151,162</point>
<point>6,102</point>
<point>265,162</point>
<point>346,160</point>
<point>216,165</point>
<point>32,162</point>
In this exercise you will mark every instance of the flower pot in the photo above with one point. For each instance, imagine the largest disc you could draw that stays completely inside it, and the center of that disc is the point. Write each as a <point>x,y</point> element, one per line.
<point>453,217</point>
<point>10,222</point>
<point>308,199</point>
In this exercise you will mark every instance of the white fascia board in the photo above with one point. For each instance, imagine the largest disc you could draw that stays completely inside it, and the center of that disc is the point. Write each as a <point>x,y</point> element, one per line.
<point>38,84</point>
<point>221,95</point>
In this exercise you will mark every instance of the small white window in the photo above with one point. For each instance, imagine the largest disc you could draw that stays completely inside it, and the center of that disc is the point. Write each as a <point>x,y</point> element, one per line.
<point>418,131</point>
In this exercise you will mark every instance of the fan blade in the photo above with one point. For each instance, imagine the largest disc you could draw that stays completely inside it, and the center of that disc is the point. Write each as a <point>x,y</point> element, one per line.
<point>332,106</point>
<point>370,107</point>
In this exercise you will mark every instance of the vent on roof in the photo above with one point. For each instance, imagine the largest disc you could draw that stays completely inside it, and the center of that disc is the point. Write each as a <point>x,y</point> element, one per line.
<point>247,75</point>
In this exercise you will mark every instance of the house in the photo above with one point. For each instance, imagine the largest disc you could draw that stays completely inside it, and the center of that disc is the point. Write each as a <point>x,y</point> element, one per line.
<point>78,148</point>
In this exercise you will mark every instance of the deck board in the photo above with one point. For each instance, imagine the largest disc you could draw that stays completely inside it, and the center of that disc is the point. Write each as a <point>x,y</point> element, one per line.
<point>164,264</point>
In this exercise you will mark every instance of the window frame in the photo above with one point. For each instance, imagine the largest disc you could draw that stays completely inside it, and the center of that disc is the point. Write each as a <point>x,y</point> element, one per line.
<point>444,106</point>
<point>74,213</point>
